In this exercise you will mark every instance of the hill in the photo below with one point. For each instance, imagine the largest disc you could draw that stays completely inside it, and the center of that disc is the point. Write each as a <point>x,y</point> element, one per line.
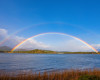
<point>5,48</point>
<point>35,51</point>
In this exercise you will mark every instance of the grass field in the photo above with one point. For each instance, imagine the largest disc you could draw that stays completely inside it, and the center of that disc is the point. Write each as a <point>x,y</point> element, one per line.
<point>58,75</point>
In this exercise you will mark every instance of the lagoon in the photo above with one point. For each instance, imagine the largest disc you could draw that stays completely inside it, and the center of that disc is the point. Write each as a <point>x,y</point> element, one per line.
<point>47,62</point>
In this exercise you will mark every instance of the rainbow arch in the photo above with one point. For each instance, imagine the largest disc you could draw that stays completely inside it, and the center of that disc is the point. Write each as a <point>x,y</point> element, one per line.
<point>55,33</point>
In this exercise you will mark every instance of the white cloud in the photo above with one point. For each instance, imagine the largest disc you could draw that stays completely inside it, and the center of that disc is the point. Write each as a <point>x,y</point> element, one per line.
<point>97,46</point>
<point>72,45</point>
<point>33,44</point>
<point>3,34</point>
<point>14,40</point>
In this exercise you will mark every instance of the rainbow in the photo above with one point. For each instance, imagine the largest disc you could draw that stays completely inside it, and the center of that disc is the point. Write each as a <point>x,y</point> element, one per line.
<point>55,33</point>
<point>35,25</point>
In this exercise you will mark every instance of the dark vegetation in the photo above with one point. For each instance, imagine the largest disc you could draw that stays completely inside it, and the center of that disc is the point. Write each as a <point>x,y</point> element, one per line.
<point>60,75</point>
<point>47,52</point>
<point>79,52</point>
<point>35,51</point>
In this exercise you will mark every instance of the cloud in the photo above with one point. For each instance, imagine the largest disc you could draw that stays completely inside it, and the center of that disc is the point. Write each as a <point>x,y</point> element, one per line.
<point>33,44</point>
<point>14,40</point>
<point>96,46</point>
<point>3,34</point>
<point>72,45</point>
<point>75,45</point>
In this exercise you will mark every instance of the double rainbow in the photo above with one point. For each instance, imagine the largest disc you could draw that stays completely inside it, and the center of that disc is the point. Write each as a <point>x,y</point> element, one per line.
<point>55,33</point>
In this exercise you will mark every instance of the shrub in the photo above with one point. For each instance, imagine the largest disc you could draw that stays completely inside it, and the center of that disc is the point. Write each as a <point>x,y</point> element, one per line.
<point>89,77</point>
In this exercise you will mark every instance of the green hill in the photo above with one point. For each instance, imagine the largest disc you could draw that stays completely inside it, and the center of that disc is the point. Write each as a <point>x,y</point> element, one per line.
<point>35,51</point>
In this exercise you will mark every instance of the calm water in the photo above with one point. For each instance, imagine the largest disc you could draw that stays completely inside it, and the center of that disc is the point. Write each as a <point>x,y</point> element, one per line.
<point>48,62</point>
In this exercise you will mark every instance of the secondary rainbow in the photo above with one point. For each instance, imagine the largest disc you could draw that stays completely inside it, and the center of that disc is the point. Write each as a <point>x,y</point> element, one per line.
<point>54,33</point>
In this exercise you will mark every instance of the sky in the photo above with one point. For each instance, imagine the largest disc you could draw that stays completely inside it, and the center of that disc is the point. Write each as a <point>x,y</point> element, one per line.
<point>21,19</point>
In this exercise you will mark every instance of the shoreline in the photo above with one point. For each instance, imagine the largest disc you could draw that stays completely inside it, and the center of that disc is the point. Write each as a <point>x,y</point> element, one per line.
<point>53,53</point>
<point>36,51</point>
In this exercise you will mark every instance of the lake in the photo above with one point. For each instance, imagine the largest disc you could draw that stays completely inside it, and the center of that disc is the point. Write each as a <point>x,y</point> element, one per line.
<point>47,62</point>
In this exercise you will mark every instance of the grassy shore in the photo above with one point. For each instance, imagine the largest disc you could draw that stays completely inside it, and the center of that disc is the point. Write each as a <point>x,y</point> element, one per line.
<point>62,75</point>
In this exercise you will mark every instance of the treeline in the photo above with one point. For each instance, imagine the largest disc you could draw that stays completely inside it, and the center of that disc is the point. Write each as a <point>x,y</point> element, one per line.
<point>79,52</point>
<point>4,51</point>
<point>35,51</point>
<point>53,52</point>
<point>48,52</point>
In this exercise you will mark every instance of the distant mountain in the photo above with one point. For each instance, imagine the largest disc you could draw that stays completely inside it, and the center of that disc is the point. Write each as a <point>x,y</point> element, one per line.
<point>5,48</point>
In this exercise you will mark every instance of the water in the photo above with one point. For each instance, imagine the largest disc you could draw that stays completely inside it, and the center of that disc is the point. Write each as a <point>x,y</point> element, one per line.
<point>48,62</point>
